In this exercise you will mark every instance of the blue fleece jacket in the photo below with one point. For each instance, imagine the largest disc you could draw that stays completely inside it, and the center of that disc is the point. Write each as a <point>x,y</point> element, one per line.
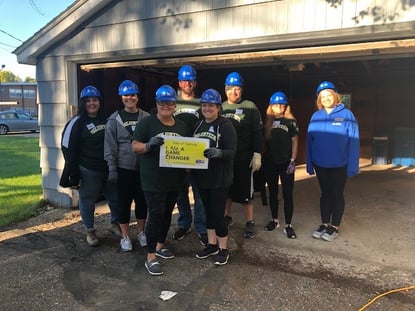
<point>333,140</point>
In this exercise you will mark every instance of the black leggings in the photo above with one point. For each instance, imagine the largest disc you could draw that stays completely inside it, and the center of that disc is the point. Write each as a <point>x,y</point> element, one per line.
<point>129,189</point>
<point>214,201</point>
<point>332,183</point>
<point>274,172</point>
<point>160,207</point>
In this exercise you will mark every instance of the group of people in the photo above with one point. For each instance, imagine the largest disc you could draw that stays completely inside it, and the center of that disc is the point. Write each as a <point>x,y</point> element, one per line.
<point>119,158</point>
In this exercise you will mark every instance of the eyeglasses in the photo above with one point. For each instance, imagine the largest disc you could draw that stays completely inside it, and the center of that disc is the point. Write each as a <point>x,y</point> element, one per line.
<point>166,103</point>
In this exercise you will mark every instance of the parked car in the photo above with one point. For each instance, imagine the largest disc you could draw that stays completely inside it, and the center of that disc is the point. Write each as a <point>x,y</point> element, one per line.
<point>13,121</point>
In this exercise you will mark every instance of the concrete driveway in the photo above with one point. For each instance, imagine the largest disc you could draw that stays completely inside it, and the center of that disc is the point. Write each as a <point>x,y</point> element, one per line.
<point>46,264</point>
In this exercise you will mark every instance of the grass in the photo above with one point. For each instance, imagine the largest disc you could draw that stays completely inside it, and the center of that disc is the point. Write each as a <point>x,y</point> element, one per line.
<point>20,179</point>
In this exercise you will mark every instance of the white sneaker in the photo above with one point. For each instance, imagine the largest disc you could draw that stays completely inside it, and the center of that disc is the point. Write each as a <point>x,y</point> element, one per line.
<point>126,245</point>
<point>142,240</point>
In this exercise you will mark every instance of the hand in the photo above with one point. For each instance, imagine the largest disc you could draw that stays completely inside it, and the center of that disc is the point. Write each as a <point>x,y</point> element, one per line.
<point>291,168</point>
<point>212,153</point>
<point>255,164</point>
<point>112,177</point>
<point>154,142</point>
<point>74,181</point>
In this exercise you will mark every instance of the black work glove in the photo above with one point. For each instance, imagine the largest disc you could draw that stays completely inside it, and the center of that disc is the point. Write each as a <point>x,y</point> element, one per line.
<point>154,142</point>
<point>112,177</point>
<point>212,153</point>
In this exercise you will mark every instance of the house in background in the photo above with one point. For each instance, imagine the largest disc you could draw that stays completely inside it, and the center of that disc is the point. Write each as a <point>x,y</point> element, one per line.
<point>367,49</point>
<point>19,96</point>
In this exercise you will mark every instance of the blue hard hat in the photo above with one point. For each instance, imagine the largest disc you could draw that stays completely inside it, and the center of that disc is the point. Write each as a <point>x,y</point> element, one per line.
<point>211,96</point>
<point>325,85</point>
<point>234,79</point>
<point>166,93</point>
<point>186,73</point>
<point>128,87</point>
<point>90,91</point>
<point>278,98</point>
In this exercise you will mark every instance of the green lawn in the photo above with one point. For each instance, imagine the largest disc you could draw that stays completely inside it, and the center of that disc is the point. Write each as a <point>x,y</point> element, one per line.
<point>20,178</point>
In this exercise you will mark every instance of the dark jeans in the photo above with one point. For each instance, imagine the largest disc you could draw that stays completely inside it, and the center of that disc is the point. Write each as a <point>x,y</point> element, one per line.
<point>129,189</point>
<point>160,207</point>
<point>274,172</point>
<point>185,212</point>
<point>214,201</point>
<point>332,183</point>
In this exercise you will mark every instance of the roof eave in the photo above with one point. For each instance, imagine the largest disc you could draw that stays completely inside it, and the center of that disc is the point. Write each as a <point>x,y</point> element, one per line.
<point>62,25</point>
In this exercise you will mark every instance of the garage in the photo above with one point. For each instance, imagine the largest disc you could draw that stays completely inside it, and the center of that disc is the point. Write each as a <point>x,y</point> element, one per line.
<point>104,42</point>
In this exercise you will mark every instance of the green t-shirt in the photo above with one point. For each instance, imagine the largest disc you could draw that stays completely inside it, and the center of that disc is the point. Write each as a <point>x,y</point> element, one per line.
<point>188,111</point>
<point>246,119</point>
<point>279,145</point>
<point>153,177</point>
<point>92,148</point>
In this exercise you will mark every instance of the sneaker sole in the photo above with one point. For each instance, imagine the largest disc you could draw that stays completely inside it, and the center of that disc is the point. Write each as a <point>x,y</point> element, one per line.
<point>211,254</point>
<point>328,239</point>
<point>317,236</point>
<point>164,257</point>
<point>217,263</point>
<point>126,249</point>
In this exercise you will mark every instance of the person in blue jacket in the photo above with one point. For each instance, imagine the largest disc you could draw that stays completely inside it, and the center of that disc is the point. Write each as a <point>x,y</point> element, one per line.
<point>333,154</point>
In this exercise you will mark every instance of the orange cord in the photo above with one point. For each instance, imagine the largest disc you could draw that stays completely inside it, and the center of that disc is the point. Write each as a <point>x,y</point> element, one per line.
<point>384,294</point>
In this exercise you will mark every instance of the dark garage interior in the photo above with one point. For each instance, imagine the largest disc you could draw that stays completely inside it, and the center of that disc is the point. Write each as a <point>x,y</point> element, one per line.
<point>379,92</point>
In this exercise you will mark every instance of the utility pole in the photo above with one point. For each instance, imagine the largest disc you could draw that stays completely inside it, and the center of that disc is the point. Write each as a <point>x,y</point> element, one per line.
<point>1,81</point>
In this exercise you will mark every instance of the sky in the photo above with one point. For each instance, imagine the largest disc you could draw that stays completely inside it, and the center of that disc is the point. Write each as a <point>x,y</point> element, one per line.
<point>20,20</point>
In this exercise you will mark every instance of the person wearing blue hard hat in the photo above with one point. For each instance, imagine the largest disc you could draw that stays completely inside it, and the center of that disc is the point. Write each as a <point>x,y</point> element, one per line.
<point>333,155</point>
<point>246,118</point>
<point>123,163</point>
<point>188,110</point>
<point>85,168</point>
<point>281,141</point>
<point>214,183</point>
<point>161,185</point>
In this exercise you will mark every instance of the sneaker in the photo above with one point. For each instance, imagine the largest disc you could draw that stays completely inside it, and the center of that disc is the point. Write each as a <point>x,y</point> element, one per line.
<point>222,257</point>
<point>115,229</point>
<point>142,240</point>
<point>330,234</point>
<point>91,237</point>
<point>289,231</point>
<point>319,232</point>
<point>153,267</point>
<point>125,244</point>
<point>249,230</point>
<point>203,239</point>
<point>164,253</point>
<point>209,250</point>
<point>272,225</point>
<point>179,234</point>
<point>228,220</point>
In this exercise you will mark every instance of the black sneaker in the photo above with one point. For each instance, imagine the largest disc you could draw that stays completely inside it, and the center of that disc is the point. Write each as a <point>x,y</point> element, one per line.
<point>179,234</point>
<point>203,239</point>
<point>153,267</point>
<point>222,257</point>
<point>164,253</point>
<point>209,250</point>
<point>228,220</point>
<point>272,225</point>
<point>289,231</point>
<point>319,231</point>
<point>249,230</point>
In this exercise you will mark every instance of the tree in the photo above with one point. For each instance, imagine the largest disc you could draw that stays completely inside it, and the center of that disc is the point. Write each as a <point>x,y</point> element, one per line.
<point>8,76</point>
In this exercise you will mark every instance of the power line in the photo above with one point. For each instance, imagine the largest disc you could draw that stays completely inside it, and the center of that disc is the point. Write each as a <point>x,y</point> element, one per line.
<point>5,32</point>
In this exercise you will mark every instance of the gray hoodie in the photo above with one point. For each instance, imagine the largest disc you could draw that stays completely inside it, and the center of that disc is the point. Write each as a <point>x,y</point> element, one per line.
<point>117,143</point>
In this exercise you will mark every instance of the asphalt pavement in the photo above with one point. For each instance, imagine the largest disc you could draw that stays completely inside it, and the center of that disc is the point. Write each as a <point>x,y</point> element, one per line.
<point>47,265</point>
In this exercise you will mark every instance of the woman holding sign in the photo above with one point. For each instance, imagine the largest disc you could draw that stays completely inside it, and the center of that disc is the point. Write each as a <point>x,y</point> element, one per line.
<point>161,185</point>
<point>214,183</point>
